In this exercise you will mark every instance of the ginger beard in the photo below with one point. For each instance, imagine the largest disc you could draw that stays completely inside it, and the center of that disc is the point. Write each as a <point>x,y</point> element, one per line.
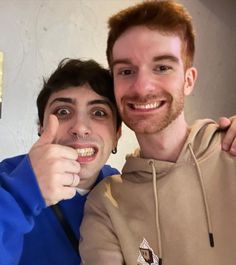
<point>144,116</point>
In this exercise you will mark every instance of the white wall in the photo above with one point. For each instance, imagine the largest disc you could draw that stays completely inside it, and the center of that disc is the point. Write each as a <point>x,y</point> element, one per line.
<point>37,34</point>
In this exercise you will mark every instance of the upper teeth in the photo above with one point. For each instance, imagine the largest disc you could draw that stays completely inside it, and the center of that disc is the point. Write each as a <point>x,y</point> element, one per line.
<point>85,151</point>
<point>147,106</point>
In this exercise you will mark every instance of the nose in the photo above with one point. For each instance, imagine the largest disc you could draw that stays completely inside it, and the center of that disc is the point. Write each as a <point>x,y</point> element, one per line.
<point>144,82</point>
<point>80,127</point>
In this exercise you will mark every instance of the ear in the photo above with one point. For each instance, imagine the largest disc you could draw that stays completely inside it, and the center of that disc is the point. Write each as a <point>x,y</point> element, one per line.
<point>190,78</point>
<point>40,130</point>
<point>118,135</point>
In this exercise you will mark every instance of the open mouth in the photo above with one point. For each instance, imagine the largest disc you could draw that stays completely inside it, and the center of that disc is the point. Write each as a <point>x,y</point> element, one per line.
<point>147,106</point>
<point>86,152</point>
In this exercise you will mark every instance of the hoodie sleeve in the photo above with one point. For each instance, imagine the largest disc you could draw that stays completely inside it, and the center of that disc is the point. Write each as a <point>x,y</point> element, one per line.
<point>98,243</point>
<point>20,202</point>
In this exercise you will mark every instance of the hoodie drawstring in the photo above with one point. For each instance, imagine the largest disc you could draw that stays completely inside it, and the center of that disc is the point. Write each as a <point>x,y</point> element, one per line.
<point>208,217</point>
<point>156,210</point>
<point>207,212</point>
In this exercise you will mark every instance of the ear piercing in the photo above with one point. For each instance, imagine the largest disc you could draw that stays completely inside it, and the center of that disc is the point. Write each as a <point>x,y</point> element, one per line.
<point>114,151</point>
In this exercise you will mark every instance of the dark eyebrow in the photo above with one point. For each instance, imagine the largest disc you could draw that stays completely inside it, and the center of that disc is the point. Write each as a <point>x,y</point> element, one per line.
<point>65,100</point>
<point>102,102</point>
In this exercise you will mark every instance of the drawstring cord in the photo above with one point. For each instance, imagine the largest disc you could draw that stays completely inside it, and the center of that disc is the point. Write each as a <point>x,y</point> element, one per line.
<point>209,223</point>
<point>208,217</point>
<point>156,210</point>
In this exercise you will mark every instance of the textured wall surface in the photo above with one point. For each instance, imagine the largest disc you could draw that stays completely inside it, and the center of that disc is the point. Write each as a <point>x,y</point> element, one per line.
<point>37,34</point>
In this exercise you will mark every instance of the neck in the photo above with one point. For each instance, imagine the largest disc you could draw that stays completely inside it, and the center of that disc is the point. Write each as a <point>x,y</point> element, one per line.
<point>168,142</point>
<point>88,182</point>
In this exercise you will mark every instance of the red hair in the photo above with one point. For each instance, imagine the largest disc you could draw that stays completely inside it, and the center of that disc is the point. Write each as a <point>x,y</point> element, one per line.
<point>167,17</point>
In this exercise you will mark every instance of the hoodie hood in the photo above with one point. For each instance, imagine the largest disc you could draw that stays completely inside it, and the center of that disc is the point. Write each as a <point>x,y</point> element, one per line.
<point>201,140</point>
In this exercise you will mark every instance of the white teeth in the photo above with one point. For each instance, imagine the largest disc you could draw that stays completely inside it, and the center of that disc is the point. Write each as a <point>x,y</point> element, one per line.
<point>89,151</point>
<point>147,106</point>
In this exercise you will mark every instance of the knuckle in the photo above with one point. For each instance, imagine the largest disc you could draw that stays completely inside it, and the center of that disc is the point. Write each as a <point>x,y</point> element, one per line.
<point>77,180</point>
<point>71,193</point>
<point>50,150</point>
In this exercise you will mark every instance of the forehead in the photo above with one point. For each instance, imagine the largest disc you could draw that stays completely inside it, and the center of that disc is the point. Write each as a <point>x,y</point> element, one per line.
<point>148,43</point>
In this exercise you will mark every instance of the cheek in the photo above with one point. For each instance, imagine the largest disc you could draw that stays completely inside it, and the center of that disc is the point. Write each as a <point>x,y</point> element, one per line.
<point>119,94</point>
<point>117,90</point>
<point>120,88</point>
<point>174,86</point>
<point>109,138</point>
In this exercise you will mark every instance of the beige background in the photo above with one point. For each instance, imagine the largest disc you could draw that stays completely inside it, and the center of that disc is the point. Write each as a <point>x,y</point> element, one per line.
<point>37,34</point>
<point>1,88</point>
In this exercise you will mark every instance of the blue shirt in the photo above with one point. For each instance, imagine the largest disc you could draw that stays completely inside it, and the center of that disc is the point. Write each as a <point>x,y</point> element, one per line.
<point>30,233</point>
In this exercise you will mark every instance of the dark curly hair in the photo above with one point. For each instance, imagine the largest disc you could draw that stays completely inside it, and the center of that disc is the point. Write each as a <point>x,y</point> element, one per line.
<point>75,72</point>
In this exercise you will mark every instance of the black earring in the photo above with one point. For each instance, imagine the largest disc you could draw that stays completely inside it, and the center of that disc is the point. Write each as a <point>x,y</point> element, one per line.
<point>114,151</point>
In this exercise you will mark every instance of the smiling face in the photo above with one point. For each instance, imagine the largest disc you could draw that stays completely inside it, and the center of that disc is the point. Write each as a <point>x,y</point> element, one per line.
<point>149,77</point>
<point>87,123</point>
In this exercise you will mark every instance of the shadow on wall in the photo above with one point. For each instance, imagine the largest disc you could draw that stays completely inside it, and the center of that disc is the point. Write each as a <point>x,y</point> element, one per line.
<point>214,93</point>
<point>225,10</point>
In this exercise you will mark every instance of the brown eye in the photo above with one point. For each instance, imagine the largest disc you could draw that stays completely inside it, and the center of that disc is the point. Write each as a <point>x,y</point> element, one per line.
<point>99,113</point>
<point>62,112</point>
<point>162,69</point>
<point>126,72</point>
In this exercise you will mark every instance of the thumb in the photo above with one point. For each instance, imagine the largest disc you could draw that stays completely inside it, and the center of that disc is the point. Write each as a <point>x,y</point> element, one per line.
<point>49,131</point>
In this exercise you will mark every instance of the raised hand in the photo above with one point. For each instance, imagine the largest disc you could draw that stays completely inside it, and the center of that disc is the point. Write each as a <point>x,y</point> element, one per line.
<point>54,165</point>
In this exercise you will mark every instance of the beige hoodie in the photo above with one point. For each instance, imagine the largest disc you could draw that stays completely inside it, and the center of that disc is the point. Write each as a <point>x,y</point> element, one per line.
<point>181,213</point>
